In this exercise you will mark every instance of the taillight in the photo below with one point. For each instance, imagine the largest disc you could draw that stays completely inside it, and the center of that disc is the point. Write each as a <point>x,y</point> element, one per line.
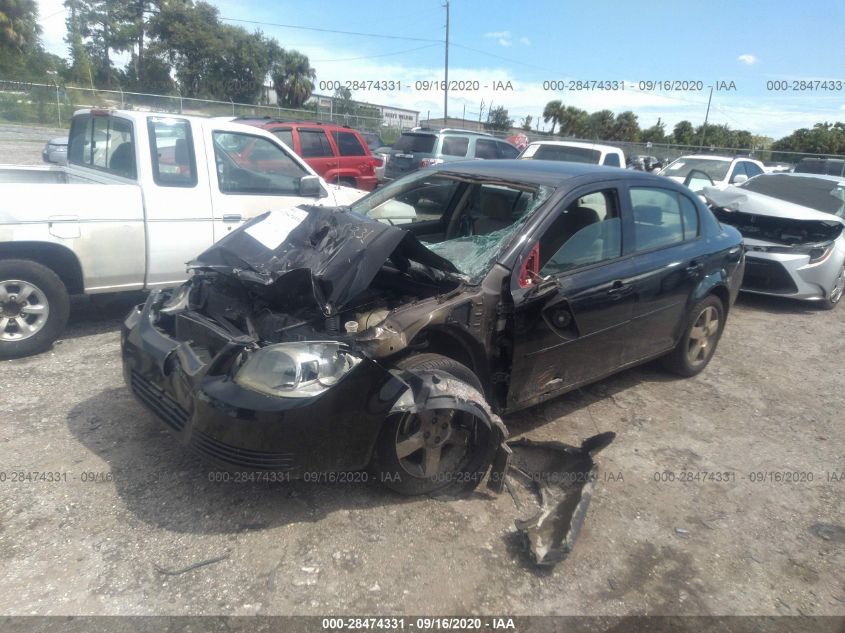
<point>530,268</point>
<point>429,162</point>
<point>377,162</point>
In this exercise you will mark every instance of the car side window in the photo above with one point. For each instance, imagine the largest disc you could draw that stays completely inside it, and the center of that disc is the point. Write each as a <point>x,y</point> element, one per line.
<point>689,216</point>
<point>172,152</point>
<point>612,160</point>
<point>485,148</point>
<point>314,143</point>
<point>104,143</point>
<point>738,170</point>
<point>455,146</point>
<point>285,135</point>
<point>248,164</point>
<point>348,144</point>
<point>586,232</point>
<point>506,150</point>
<point>752,169</point>
<point>657,218</point>
<point>427,201</point>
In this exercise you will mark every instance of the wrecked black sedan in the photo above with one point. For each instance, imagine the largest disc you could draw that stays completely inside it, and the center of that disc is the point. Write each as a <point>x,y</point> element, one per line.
<point>390,335</point>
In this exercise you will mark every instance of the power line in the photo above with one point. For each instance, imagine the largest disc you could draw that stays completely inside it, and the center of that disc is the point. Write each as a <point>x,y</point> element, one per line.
<point>351,59</point>
<point>319,30</point>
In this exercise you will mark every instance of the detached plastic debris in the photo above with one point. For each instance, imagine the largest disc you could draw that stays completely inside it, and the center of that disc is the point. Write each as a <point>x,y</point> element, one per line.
<point>551,484</point>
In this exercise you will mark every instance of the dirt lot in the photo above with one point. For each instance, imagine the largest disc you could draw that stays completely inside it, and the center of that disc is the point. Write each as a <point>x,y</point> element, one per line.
<point>131,502</point>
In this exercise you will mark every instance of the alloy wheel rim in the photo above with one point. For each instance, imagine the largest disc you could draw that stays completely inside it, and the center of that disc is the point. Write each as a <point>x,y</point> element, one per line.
<point>24,310</point>
<point>702,336</point>
<point>430,443</point>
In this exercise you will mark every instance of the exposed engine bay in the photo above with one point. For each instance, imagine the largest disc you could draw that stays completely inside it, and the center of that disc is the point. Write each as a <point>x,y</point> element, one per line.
<point>786,231</point>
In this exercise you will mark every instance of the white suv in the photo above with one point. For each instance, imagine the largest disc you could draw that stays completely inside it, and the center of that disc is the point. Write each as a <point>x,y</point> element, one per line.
<point>698,171</point>
<point>575,152</point>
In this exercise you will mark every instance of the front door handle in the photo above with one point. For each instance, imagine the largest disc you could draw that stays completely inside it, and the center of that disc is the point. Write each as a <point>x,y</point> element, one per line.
<point>694,269</point>
<point>233,217</point>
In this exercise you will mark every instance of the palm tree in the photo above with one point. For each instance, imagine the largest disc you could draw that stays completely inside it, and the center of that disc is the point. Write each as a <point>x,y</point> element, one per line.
<point>293,79</point>
<point>19,27</point>
<point>552,112</point>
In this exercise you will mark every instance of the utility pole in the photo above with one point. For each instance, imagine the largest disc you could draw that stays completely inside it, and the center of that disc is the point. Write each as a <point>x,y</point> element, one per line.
<point>446,71</point>
<point>706,116</point>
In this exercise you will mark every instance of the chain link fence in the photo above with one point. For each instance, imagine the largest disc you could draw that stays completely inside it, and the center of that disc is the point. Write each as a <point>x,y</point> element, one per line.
<point>53,105</point>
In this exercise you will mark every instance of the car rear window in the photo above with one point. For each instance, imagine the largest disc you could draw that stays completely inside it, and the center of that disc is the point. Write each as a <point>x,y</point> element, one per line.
<point>415,143</point>
<point>347,144</point>
<point>568,154</point>
<point>455,145</point>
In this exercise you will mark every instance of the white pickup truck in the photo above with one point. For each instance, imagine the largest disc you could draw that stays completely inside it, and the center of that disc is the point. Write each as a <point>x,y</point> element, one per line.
<point>142,194</point>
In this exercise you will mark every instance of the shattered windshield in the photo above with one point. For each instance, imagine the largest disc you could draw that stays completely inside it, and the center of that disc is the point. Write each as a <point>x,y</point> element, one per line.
<point>464,220</point>
<point>821,194</point>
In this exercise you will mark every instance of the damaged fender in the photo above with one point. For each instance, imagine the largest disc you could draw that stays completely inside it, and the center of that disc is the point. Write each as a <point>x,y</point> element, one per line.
<point>436,390</point>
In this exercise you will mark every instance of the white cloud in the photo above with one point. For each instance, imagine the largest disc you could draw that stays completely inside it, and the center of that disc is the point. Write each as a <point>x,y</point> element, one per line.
<point>503,38</point>
<point>748,59</point>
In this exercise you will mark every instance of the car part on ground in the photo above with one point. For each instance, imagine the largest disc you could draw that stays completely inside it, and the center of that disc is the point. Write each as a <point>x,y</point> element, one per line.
<point>794,230</point>
<point>552,485</point>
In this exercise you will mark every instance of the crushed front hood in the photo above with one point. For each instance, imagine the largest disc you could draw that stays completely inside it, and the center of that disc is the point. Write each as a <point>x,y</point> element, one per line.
<point>343,251</point>
<point>738,199</point>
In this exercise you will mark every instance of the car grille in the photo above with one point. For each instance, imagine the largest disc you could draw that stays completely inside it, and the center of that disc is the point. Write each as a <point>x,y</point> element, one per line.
<point>767,276</point>
<point>159,402</point>
<point>244,458</point>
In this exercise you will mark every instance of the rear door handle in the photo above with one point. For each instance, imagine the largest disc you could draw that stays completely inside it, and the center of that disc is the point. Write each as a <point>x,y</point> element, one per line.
<point>620,289</point>
<point>233,217</point>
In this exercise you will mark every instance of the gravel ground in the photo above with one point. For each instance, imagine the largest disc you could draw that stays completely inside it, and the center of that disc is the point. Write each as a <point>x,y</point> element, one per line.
<point>131,505</point>
<point>770,402</point>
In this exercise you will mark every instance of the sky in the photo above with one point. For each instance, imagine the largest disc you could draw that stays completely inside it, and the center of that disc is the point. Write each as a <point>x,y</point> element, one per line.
<point>533,42</point>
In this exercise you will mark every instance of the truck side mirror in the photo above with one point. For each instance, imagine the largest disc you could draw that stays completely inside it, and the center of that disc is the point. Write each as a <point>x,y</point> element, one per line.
<point>310,187</point>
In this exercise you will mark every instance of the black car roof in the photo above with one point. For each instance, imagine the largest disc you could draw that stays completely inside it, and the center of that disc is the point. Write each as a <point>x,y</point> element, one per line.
<point>551,173</point>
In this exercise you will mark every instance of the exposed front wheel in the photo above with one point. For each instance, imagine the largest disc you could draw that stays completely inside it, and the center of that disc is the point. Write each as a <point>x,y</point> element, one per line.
<point>432,450</point>
<point>34,307</point>
<point>698,342</point>
<point>835,295</point>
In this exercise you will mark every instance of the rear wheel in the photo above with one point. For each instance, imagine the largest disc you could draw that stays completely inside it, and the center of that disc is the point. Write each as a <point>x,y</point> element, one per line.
<point>424,452</point>
<point>705,324</point>
<point>34,307</point>
<point>835,295</point>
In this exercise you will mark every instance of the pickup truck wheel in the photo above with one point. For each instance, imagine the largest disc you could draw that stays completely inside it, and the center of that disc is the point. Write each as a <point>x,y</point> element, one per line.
<point>34,307</point>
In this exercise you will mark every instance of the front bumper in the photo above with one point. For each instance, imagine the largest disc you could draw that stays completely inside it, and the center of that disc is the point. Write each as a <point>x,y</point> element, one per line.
<point>238,429</point>
<point>790,274</point>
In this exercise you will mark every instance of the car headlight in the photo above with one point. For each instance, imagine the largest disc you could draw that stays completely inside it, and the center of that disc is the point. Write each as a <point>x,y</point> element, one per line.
<point>820,253</point>
<point>296,370</point>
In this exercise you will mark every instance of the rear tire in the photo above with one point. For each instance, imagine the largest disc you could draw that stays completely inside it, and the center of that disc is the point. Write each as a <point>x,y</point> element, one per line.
<point>459,465</point>
<point>704,326</point>
<point>34,307</point>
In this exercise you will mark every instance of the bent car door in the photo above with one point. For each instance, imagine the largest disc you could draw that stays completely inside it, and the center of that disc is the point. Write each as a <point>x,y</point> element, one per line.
<point>575,332</point>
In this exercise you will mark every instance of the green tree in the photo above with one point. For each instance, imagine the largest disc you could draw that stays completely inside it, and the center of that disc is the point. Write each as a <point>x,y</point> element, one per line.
<point>602,124</point>
<point>293,78</point>
<point>683,133</point>
<point>19,30</point>
<point>497,119</point>
<point>822,138</point>
<point>626,127</point>
<point>105,27</point>
<point>343,103</point>
<point>655,134</point>
<point>527,121</point>
<point>574,122</point>
<point>552,112</point>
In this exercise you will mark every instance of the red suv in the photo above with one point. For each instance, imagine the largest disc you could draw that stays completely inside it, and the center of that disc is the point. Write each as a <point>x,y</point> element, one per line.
<point>336,152</point>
